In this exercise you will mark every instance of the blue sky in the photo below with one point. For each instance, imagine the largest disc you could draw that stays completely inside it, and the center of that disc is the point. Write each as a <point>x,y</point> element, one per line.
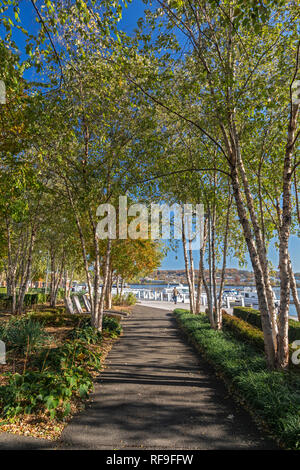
<point>175,260</point>
<point>128,23</point>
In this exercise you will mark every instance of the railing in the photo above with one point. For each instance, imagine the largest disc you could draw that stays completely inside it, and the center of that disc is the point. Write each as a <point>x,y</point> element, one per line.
<point>159,295</point>
<point>148,294</point>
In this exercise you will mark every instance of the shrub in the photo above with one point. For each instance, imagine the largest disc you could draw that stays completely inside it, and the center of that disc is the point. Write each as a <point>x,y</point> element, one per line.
<point>24,334</point>
<point>5,300</point>
<point>77,320</point>
<point>30,299</point>
<point>43,297</point>
<point>34,390</point>
<point>64,357</point>
<point>49,318</point>
<point>129,299</point>
<point>118,299</point>
<point>80,321</point>
<point>249,315</point>
<point>86,333</point>
<point>252,316</point>
<point>243,330</point>
<point>60,294</point>
<point>34,299</point>
<point>64,372</point>
<point>111,325</point>
<point>272,396</point>
<point>294,330</point>
<point>246,332</point>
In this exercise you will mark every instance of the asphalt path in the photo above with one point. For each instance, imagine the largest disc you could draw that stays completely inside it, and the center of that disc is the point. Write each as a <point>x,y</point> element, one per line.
<point>157,393</point>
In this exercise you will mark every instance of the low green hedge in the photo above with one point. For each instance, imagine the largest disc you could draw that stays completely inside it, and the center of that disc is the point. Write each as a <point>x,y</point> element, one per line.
<point>294,330</point>
<point>41,290</point>
<point>252,316</point>
<point>49,318</point>
<point>30,299</point>
<point>272,396</point>
<point>5,300</point>
<point>247,332</point>
<point>52,318</point>
<point>243,330</point>
<point>248,314</point>
<point>34,299</point>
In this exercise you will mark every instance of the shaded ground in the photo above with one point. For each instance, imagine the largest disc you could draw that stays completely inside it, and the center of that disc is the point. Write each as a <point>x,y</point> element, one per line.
<point>10,441</point>
<point>157,394</point>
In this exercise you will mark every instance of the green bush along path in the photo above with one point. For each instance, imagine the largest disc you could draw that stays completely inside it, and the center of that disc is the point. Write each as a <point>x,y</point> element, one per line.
<point>236,353</point>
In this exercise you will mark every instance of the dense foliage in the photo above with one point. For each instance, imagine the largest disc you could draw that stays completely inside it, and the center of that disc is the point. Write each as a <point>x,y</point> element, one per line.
<point>273,397</point>
<point>252,316</point>
<point>124,299</point>
<point>55,376</point>
<point>23,335</point>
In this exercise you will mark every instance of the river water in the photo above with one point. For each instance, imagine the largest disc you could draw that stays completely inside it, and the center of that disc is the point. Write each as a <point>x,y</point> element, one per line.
<point>293,312</point>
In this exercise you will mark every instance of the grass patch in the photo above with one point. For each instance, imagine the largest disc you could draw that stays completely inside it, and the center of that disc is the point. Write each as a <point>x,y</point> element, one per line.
<point>272,397</point>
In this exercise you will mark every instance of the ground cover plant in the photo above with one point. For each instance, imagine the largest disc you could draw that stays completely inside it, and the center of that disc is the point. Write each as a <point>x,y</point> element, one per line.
<point>51,365</point>
<point>273,397</point>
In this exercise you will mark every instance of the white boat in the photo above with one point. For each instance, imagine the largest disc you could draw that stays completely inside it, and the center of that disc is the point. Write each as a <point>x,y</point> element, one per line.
<point>232,295</point>
<point>180,287</point>
<point>183,292</point>
<point>251,298</point>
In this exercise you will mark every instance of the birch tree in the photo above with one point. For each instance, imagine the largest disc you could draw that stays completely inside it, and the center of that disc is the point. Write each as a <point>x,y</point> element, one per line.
<point>235,63</point>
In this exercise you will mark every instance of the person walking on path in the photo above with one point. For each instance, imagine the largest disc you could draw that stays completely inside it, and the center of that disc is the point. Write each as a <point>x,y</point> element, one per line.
<point>175,295</point>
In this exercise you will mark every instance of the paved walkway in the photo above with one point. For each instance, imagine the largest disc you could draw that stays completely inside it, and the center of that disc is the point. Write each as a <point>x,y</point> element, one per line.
<point>156,393</point>
<point>9,441</point>
<point>163,305</point>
